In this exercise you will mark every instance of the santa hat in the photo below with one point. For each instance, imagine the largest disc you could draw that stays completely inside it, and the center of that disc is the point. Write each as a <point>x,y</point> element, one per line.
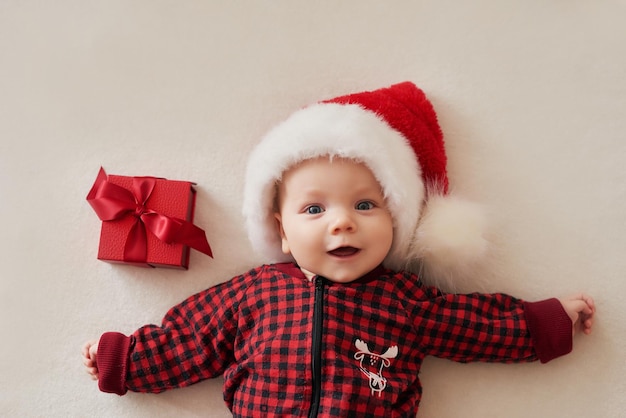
<point>395,133</point>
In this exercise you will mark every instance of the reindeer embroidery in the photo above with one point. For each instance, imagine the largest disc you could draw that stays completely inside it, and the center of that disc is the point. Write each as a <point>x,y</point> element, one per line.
<point>374,364</point>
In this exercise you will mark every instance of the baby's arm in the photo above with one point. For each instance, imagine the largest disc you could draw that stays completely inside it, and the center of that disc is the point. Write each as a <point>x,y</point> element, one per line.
<point>90,358</point>
<point>581,309</point>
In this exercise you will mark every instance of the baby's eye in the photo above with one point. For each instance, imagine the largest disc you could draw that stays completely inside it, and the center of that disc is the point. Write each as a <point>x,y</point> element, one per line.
<point>366,205</point>
<point>313,209</point>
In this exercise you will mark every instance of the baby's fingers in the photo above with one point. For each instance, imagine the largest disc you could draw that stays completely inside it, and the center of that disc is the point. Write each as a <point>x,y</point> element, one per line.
<point>587,324</point>
<point>89,359</point>
<point>85,349</point>
<point>590,305</point>
<point>87,362</point>
<point>93,372</point>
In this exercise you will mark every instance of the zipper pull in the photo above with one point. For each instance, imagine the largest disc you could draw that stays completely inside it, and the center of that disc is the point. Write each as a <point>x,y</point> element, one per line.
<point>319,282</point>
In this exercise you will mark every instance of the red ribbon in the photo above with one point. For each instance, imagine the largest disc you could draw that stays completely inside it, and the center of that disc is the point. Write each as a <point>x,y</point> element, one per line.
<point>112,202</point>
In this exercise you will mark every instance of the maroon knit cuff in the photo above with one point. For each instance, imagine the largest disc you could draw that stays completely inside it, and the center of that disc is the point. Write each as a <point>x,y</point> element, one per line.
<point>550,328</point>
<point>113,350</point>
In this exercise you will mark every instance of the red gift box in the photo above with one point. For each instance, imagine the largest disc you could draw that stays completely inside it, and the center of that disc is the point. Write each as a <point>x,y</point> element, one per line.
<point>147,221</point>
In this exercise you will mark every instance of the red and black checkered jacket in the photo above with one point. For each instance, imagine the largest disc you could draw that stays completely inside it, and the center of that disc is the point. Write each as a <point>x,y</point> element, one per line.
<point>291,347</point>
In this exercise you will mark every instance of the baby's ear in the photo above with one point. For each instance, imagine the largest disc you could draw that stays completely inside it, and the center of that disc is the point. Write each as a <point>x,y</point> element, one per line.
<point>281,232</point>
<point>279,224</point>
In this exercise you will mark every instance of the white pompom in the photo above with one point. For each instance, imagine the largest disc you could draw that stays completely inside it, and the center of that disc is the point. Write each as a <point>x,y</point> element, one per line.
<point>450,241</point>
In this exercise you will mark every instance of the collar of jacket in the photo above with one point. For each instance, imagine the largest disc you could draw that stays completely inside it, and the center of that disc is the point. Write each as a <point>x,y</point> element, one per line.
<point>292,269</point>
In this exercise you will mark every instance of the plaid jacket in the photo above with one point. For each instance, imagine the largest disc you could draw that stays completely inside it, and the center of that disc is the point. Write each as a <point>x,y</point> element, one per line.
<point>291,347</point>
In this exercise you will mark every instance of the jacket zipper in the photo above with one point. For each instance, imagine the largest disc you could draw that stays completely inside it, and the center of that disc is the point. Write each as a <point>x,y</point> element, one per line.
<point>316,352</point>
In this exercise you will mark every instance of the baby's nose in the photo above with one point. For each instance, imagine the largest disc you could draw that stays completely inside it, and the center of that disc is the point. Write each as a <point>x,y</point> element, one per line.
<point>343,222</point>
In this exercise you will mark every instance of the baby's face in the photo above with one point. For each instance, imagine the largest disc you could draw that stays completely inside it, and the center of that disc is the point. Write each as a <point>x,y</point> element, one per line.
<point>333,218</point>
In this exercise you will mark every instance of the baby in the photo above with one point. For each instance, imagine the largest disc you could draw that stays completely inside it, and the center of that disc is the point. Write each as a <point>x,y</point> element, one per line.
<point>341,196</point>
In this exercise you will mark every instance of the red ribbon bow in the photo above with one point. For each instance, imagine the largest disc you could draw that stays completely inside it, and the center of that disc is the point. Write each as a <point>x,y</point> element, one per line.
<point>112,202</point>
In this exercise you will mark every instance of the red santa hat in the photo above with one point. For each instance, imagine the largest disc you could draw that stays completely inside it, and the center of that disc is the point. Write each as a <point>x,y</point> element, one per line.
<point>395,133</point>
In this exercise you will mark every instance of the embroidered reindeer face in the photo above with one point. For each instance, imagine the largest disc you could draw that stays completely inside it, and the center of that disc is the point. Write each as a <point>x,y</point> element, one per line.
<point>372,365</point>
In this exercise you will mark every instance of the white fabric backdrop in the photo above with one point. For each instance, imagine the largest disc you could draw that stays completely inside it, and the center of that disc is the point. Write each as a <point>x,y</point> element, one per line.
<point>531,97</point>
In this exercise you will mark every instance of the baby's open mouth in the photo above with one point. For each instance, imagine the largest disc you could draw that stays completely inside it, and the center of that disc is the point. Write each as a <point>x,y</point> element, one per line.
<point>344,251</point>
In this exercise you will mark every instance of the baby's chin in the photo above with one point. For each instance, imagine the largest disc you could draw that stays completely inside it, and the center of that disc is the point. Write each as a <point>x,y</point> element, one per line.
<point>343,279</point>
<point>335,278</point>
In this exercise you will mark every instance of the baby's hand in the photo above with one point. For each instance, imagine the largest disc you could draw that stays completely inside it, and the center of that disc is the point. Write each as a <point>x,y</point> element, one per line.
<point>580,308</point>
<point>90,355</point>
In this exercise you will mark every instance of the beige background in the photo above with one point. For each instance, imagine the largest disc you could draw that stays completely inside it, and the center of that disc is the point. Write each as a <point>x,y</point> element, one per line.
<point>531,96</point>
